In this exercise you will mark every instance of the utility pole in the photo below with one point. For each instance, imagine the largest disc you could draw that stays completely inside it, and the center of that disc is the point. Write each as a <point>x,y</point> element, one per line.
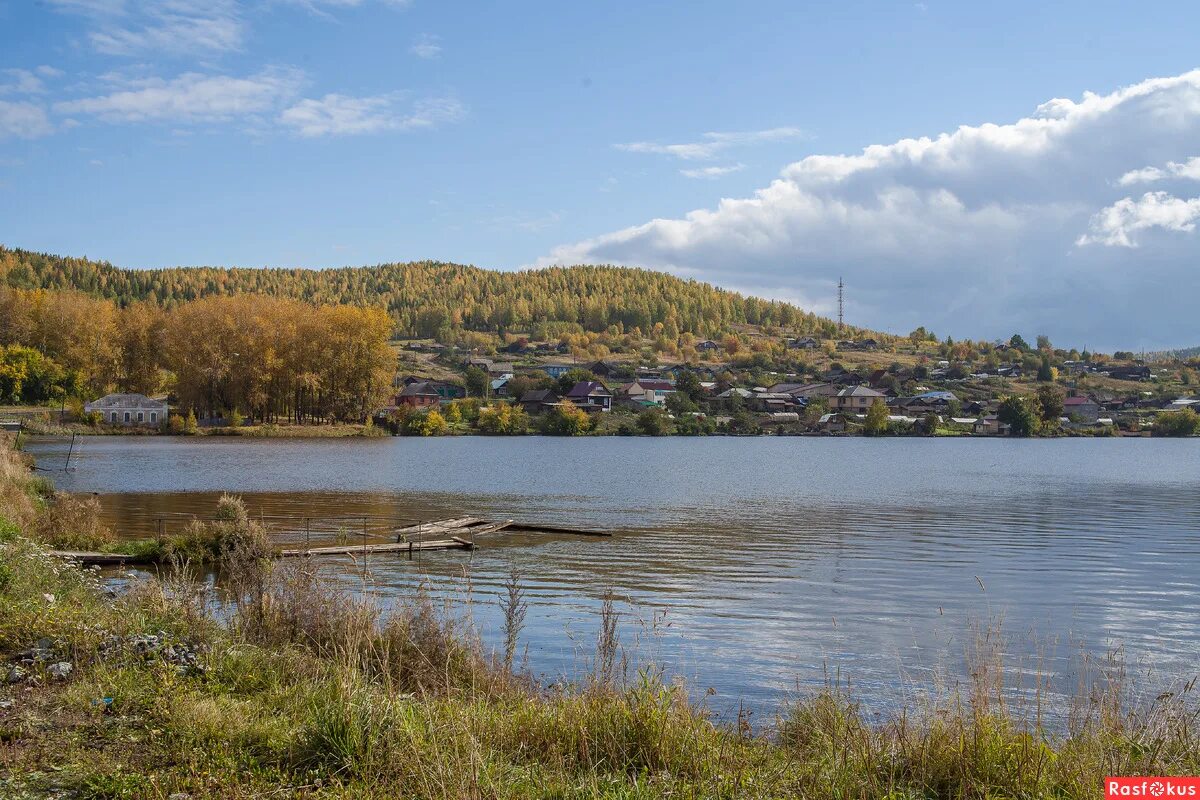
<point>841,307</point>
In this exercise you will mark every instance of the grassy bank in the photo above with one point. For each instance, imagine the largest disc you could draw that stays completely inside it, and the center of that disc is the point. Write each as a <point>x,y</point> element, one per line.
<point>303,692</point>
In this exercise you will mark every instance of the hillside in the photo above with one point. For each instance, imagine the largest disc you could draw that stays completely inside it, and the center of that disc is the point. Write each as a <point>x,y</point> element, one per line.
<point>427,298</point>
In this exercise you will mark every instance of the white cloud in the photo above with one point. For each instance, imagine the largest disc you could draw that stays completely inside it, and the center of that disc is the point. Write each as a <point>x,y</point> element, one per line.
<point>23,120</point>
<point>339,115</point>
<point>979,232</point>
<point>21,81</point>
<point>174,27</point>
<point>426,46</point>
<point>712,143</point>
<point>191,97</point>
<point>711,172</point>
<point>1186,170</point>
<point>1118,224</point>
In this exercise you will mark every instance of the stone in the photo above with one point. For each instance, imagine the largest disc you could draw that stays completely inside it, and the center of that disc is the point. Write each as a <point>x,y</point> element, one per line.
<point>17,674</point>
<point>60,671</point>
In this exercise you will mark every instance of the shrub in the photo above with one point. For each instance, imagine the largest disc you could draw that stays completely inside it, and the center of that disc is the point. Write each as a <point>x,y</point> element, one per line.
<point>1184,422</point>
<point>71,522</point>
<point>653,422</point>
<point>567,419</point>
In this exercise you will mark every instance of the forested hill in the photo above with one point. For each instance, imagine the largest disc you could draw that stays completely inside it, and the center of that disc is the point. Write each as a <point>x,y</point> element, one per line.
<point>426,298</point>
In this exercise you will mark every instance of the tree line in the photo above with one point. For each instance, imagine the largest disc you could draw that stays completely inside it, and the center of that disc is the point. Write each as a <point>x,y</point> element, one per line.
<point>431,299</point>
<point>266,358</point>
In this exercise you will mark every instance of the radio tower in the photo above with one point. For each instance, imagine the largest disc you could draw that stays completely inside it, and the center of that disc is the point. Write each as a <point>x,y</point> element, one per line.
<point>841,286</point>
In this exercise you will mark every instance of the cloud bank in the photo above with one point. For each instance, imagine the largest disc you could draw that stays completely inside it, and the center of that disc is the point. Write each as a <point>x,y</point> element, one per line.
<point>1027,226</point>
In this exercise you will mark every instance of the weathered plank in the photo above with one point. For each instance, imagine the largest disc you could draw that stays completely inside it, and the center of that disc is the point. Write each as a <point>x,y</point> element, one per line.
<point>437,526</point>
<point>384,547</point>
<point>521,526</point>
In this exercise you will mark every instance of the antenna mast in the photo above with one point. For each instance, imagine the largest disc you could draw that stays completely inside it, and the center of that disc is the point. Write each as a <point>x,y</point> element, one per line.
<point>841,286</point>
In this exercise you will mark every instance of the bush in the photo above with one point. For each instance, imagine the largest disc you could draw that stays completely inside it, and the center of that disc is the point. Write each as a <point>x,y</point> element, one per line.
<point>430,423</point>
<point>503,419</point>
<point>566,420</point>
<point>653,422</point>
<point>1184,422</point>
<point>183,425</point>
<point>72,522</point>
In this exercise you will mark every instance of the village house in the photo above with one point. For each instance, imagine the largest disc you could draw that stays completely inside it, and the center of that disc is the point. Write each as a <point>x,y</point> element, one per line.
<point>831,423</point>
<point>802,343</point>
<point>601,369</point>
<point>591,396</point>
<point>498,387</point>
<point>992,426</point>
<point>809,391</point>
<point>864,344</point>
<point>649,391</point>
<point>485,364</point>
<point>925,403</point>
<point>129,409</point>
<point>1083,408</point>
<point>448,391</point>
<point>1136,372</point>
<point>418,395</point>
<point>769,402</point>
<point>537,401</point>
<point>856,399</point>
<point>557,370</point>
<point>707,345</point>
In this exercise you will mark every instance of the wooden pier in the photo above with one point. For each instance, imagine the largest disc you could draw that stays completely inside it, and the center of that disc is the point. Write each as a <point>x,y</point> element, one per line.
<point>455,533</point>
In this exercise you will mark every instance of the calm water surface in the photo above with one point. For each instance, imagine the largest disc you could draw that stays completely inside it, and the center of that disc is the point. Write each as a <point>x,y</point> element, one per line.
<point>751,566</point>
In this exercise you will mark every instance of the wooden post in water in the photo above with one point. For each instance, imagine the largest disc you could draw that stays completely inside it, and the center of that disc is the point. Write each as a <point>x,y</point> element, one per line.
<point>70,450</point>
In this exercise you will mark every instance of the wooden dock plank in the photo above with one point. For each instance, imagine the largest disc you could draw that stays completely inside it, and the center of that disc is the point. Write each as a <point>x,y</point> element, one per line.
<point>521,526</point>
<point>384,547</point>
<point>437,526</point>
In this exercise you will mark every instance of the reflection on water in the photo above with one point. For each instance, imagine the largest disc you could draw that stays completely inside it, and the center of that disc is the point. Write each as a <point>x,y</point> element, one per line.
<point>757,562</point>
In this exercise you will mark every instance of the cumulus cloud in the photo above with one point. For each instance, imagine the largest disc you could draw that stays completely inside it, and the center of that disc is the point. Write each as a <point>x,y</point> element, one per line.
<point>23,120</point>
<point>711,172</point>
<point>339,115</point>
<point>711,144</point>
<point>1119,224</point>
<point>981,231</point>
<point>191,97</point>
<point>1186,170</point>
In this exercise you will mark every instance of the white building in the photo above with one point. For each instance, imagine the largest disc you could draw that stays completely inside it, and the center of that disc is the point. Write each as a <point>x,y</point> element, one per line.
<point>129,409</point>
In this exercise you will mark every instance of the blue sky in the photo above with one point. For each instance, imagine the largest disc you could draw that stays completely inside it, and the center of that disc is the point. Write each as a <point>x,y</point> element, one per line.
<point>335,132</point>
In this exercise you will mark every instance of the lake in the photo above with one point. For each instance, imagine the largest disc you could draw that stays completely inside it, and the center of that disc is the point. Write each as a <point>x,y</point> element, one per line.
<point>752,566</point>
